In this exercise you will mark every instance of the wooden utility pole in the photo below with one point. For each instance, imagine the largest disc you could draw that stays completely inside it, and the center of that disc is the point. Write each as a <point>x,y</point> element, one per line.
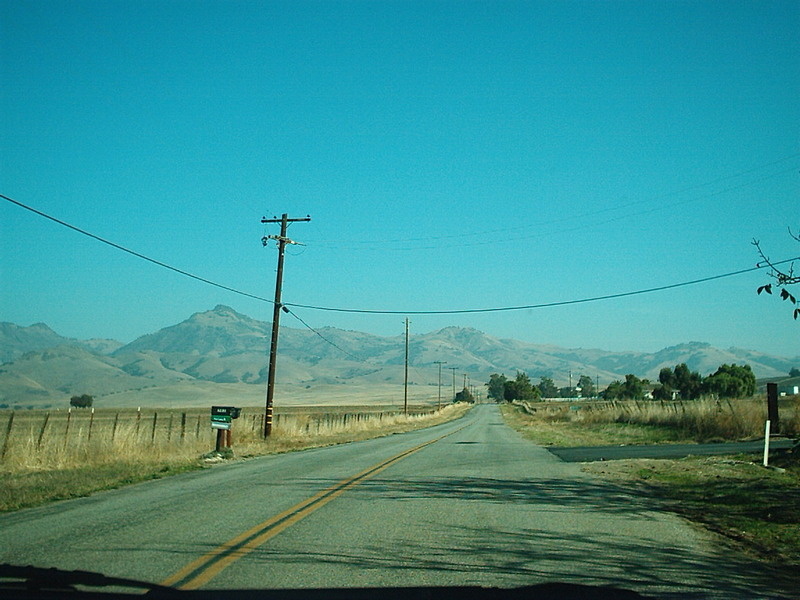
<point>276,313</point>
<point>440,363</point>
<point>453,369</point>
<point>405,388</point>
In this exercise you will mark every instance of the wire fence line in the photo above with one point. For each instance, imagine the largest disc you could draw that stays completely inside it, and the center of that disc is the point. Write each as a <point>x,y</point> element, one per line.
<point>27,435</point>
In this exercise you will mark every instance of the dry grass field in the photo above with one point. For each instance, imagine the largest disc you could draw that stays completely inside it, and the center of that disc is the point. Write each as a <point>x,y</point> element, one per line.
<point>593,423</point>
<point>53,455</point>
<point>197,394</point>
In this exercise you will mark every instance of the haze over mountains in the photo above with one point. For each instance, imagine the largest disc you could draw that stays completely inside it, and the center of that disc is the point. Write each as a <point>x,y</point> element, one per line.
<point>220,347</point>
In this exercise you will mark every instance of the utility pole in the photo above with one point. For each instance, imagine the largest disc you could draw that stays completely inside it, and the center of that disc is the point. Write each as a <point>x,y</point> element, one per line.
<point>454,369</point>
<point>440,363</point>
<point>405,388</point>
<point>276,313</point>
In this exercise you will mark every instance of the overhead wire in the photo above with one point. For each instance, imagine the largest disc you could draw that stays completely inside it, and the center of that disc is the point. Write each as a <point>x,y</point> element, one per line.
<point>134,253</point>
<point>286,305</point>
<point>334,344</point>
<point>541,305</point>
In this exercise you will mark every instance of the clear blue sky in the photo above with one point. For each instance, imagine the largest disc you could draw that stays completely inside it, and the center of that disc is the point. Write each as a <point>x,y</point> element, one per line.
<point>451,155</point>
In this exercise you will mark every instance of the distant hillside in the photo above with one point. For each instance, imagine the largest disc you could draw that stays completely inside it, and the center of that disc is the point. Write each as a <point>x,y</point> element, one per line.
<point>222,346</point>
<point>16,341</point>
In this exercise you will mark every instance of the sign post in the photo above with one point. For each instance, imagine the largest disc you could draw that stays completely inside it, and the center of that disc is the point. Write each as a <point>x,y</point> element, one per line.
<point>772,405</point>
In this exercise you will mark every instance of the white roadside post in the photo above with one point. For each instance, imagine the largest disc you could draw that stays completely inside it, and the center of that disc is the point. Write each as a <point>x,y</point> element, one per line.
<point>766,444</point>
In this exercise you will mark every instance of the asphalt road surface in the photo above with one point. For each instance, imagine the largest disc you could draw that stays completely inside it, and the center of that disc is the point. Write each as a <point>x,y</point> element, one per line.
<point>461,504</point>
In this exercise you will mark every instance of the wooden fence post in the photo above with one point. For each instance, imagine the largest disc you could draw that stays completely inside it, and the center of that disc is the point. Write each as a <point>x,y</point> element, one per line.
<point>41,431</point>
<point>8,434</point>
<point>153,434</point>
<point>66,429</point>
<point>183,426</point>
<point>91,422</point>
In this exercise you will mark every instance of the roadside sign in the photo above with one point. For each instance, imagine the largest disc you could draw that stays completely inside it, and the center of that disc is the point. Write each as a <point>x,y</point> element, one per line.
<point>220,422</point>
<point>222,416</point>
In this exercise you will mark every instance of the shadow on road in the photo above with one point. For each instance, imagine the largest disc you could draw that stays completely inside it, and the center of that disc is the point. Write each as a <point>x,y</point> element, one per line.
<point>536,556</point>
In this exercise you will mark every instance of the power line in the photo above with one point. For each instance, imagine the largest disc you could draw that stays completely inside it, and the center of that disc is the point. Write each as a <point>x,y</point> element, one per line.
<point>332,343</point>
<point>285,305</point>
<point>133,252</point>
<point>543,305</point>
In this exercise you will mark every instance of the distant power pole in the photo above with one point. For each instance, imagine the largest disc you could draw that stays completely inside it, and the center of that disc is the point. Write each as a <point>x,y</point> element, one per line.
<point>405,388</point>
<point>440,363</point>
<point>276,313</point>
<point>454,369</point>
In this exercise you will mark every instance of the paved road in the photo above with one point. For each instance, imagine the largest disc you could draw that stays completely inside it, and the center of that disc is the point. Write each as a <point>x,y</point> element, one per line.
<point>595,453</point>
<point>465,503</point>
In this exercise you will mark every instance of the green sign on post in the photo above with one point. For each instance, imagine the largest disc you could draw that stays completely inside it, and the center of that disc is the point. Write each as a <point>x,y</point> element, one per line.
<point>220,422</point>
<point>222,416</point>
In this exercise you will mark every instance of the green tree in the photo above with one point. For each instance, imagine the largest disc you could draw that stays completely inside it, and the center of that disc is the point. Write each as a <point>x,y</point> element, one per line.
<point>520,388</point>
<point>794,372</point>
<point>688,383</point>
<point>631,389</point>
<point>496,387</point>
<point>547,388</point>
<point>587,386</point>
<point>667,384</point>
<point>613,391</point>
<point>84,401</point>
<point>465,396</point>
<point>731,381</point>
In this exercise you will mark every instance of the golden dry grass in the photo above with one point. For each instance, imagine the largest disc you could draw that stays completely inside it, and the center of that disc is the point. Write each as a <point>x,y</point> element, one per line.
<point>597,423</point>
<point>62,455</point>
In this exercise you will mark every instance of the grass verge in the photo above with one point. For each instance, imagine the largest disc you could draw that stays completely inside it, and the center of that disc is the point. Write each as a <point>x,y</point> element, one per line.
<point>33,488</point>
<point>757,508</point>
<point>558,428</point>
<point>30,478</point>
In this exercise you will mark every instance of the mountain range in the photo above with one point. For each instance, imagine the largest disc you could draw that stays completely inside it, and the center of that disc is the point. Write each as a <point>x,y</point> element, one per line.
<point>40,368</point>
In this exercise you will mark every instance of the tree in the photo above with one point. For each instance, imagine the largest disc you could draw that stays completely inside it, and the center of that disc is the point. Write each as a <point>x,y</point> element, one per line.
<point>794,372</point>
<point>547,388</point>
<point>667,383</point>
<point>465,396</point>
<point>587,386</point>
<point>613,391</point>
<point>783,277</point>
<point>496,387</point>
<point>731,381</point>
<point>688,383</point>
<point>84,401</point>
<point>520,388</point>
<point>631,389</point>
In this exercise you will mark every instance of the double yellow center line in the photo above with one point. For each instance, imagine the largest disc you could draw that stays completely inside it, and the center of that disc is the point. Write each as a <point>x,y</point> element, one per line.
<point>211,564</point>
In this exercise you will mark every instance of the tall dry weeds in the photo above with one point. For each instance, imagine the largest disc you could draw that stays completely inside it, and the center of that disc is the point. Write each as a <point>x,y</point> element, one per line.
<point>39,441</point>
<point>700,420</point>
